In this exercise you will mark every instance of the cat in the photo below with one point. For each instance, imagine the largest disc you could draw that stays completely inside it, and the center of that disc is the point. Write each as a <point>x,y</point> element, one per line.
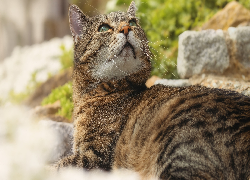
<point>160,132</point>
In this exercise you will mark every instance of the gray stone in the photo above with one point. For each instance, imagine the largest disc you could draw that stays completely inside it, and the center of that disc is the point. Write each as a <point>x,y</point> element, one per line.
<point>241,39</point>
<point>173,82</point>
<point>202,52</point>
<point>64,137</point>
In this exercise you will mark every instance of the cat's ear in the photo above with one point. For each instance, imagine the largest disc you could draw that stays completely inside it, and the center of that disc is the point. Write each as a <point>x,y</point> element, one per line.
<point>77,20</point>
<point>132,9</point>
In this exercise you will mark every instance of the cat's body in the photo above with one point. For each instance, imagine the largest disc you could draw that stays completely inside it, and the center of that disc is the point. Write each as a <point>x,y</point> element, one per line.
<point>163,132</point>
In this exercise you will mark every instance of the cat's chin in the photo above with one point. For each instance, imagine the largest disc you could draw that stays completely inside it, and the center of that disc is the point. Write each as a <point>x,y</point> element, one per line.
<point>127,51</point>
<point>119,67</point>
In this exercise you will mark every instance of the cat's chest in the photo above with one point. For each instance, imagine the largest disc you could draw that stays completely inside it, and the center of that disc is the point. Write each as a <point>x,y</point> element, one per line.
<point>109,112</point>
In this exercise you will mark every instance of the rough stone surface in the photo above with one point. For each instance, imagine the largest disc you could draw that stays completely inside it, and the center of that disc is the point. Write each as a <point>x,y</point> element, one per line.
<point>202,52</point>
<point>241,39</point>
<point>64,136</point>
<point>231,16</point>
<point>212,81</point>
<point>49,109</point>
<point>221,82</point>
<point>173,82</point>
<point>215,52</point>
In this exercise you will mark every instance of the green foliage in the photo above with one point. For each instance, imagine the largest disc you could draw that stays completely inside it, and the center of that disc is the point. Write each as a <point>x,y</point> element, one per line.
<point>66,58</point>
<point>31,86</point>
<point>64,95</point>
<point>164,20</point>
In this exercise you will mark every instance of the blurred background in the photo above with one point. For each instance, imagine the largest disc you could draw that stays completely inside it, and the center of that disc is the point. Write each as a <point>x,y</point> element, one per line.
<point>36,45</point>
<point>27,22</point>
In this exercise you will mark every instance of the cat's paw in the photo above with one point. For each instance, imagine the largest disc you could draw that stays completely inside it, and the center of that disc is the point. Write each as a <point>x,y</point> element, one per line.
<point>69,161</point>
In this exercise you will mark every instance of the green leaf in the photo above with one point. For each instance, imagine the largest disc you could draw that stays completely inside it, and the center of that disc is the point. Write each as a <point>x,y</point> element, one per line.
<point>64,95</point>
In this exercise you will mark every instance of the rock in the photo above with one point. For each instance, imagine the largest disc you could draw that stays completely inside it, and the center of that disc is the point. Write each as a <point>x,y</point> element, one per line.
<point>245,23</point>
<point>151,81</point>
<point>231,16</point>
<point>202,52</point>
<point>45,88</point>
<point>241,38</point>
<point>47,110</point>
<point>173,82</point>
<point>64,136</point>
<point>58,118</point>
<point>215,52</point>
<point>218,52</point>
<point>222,82</point>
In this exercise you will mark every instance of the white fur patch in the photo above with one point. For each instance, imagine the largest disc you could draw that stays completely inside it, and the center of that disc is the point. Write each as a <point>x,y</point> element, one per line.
<point>117,68</point>
<point>121,61</point>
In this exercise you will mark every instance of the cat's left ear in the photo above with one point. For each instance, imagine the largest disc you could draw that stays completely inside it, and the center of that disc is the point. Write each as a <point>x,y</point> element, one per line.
<point>77,20</point>
<point>132,9</point>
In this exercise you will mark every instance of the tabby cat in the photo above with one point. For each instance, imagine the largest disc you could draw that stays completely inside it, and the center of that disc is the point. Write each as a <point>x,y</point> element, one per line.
<point>160,132</point>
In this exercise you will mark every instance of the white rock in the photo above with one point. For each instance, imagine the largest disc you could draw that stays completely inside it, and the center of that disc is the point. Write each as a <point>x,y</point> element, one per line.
<point>202,52</point>
<point>173,82</point>
<point>241,38</point>
<point>64,139</point>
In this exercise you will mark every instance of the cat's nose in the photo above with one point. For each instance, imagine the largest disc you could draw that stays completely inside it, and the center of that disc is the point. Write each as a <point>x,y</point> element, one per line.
<point>124,28</point>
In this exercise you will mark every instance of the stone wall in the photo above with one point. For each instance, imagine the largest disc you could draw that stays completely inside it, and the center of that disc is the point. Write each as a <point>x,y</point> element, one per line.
<point>221,48</point>
<point>215,52</point>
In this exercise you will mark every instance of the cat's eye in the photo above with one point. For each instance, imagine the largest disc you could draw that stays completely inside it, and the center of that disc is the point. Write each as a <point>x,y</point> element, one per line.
<point>104,28</point>
<point>132,23</point>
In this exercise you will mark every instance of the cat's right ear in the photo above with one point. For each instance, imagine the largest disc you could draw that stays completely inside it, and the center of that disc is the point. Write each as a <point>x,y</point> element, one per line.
<point>132,9</point>
<point>77,20</point>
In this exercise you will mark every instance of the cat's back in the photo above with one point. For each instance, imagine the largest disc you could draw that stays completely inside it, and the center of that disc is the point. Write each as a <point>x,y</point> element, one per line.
<point>187,133</point>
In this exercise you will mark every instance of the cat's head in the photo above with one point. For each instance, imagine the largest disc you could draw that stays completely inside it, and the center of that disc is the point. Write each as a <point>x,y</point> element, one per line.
<point>110,47</point>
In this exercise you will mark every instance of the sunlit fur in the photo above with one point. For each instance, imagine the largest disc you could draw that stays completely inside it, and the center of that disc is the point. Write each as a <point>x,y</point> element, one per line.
<point>161,132</point>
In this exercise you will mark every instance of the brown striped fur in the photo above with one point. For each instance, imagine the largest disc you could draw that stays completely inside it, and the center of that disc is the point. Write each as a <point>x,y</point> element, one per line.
<point>161,132</point>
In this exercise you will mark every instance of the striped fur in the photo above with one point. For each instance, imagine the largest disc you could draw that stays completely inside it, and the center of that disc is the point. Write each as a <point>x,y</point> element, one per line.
<point>161,132</point>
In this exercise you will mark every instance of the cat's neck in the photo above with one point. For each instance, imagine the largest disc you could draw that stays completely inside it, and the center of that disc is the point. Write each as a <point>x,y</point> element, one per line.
<point>93,94</point>
<point>84,84</point>
<point>103,92</point>
<point>88,89</point>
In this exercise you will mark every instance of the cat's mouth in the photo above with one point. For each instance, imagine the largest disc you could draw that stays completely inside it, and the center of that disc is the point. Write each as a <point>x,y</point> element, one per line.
<point>126,51</point>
